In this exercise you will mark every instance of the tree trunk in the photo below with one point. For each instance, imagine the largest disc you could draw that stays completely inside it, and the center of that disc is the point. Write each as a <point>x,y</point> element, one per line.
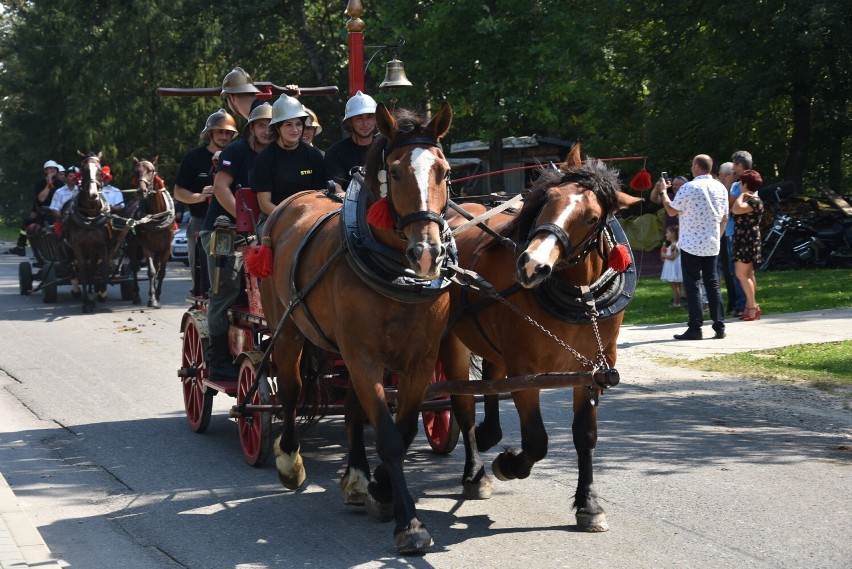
<point>801,106</point>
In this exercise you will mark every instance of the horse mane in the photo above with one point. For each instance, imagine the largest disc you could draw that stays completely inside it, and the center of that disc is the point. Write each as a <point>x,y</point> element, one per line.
<point>592,175</point>
<point>408,124</point>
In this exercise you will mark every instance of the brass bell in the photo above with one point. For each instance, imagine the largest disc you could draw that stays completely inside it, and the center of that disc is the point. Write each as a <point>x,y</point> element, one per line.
<point>395,75</point>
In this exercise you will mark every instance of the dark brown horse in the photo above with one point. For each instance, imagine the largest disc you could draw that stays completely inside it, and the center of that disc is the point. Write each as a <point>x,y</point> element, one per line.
<point>375,324</point>
<point>87,230</point>
<point>565,235</point>
<point>153,229</point>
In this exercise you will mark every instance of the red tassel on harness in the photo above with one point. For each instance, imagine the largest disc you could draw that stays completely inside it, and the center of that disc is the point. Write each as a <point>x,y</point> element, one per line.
<point>379,215</point>
<point>641,181</point>
<point>159,184</point>
<point>259,260</point>
<point>57,228</point>
<point>619,258</point>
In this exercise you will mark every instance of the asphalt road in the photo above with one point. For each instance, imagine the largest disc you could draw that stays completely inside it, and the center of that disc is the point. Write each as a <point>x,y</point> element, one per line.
<point>694,469</point>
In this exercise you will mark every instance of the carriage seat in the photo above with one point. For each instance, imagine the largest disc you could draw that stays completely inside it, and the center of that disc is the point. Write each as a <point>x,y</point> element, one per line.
<point>248,211</point>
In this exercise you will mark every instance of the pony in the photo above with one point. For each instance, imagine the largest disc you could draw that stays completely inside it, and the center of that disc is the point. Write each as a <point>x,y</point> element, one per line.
<point>565,237</point>
<point>356,289</point>
<point>87,231</point>
<point>153,214</point>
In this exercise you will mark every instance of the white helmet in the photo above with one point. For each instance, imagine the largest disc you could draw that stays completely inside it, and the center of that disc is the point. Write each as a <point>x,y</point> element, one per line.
<point>286,108</point>
<point>359,104</point>
<point>50,164</point>
<point>61,168</point>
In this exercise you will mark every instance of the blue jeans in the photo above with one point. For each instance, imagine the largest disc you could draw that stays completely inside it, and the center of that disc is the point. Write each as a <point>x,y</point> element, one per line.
<point>697,268</point>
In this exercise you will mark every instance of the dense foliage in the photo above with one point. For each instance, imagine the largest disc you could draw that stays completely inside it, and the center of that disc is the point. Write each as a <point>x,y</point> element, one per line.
<point>662,79</point>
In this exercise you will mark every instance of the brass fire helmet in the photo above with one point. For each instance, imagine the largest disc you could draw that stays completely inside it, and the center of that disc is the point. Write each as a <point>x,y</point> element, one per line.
<point>220,120</point>
<point>238,81</point>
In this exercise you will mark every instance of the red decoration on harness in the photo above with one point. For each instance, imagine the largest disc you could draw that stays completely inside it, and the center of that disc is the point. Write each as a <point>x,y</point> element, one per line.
<point>379,215</point>
<point>619,258</point>
<point>159,184</point>
<point>641,181</point>
<point>259,261</point>
<point>57,228</point>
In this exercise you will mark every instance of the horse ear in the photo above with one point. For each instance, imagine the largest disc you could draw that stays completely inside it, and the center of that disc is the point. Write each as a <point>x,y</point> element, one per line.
<point>385,121</point>
<point>573,158</point>
<point>135,160</point>
<point>441,122</point>
<point>81,154</point>
<point>100,156</point>
<point>626,200</point>
<point>154,159</point>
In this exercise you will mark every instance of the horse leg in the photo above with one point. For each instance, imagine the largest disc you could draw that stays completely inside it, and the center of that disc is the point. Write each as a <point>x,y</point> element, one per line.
<point>590,514</point>
<point>357,476</point>
<point>152,279</point>
<point>157,282</point>
<point>133,256</point>
<point>455,359</point>
<point>288,460</point>
<point>511,464</point>
<point>103,274</point>
<point>388,479</point>
<point>489,432</point>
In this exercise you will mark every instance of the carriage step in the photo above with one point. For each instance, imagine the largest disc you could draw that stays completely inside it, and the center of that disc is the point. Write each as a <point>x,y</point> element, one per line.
<point>229,387</point>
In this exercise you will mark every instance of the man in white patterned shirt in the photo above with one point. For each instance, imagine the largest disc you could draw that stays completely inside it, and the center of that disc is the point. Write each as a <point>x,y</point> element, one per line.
<point>702,207</point>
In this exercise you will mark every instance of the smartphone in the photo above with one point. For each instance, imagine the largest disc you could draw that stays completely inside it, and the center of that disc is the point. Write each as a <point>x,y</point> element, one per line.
<point>665,176</point>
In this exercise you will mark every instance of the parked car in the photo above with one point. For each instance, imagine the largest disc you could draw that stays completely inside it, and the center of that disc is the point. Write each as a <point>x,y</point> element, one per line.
<point>180,247</point>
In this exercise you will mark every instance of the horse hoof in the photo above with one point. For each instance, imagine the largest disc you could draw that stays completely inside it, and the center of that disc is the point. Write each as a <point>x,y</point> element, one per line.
<point>477,490</point>
<point>414,540</point>
<point>102,298</point>
<point>291,469</point>
<point>354,486</point>
<point>592,523</point>
<point>153,304</point>
<point>379,511</point>
<point>497,471</point>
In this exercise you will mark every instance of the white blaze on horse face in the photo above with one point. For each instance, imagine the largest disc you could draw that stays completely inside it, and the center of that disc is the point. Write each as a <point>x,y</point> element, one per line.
<point>544,254</point>
<point>422,161</point>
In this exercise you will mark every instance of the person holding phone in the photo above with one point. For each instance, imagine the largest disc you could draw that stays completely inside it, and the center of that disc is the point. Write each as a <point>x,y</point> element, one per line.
<point>669,187</point>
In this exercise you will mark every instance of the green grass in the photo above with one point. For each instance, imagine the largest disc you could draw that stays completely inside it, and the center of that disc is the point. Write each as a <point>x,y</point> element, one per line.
<point>778,292</point>
<point>825,366</point>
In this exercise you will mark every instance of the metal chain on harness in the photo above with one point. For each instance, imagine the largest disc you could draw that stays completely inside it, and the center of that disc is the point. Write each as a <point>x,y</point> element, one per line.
<point>474,281</point>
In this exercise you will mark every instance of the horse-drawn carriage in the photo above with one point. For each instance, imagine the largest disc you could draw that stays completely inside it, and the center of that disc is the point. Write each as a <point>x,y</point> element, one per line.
<point>377,297</point>
<point>93,246</point>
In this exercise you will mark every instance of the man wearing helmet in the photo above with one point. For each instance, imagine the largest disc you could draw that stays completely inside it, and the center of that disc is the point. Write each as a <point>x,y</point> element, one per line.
<point>288,165</point>
<point>342,156</point>
<point>312,128</point>
<point>238,92</point>
<point>236,163</point>
<point>62,195</point>
<point>43,190</point>
<point>194,182</point>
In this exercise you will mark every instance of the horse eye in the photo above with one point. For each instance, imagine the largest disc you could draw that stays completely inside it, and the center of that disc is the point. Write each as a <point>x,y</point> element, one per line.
<point>594,220</point>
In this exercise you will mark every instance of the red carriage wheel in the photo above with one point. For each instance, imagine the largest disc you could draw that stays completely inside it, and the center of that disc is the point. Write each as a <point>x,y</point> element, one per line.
<point>255,428</point>
<point>197,400</point>
<point>442,430</point>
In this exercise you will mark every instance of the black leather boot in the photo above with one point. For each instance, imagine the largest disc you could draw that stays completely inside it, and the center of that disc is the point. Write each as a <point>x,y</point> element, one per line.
<point>219,359</point>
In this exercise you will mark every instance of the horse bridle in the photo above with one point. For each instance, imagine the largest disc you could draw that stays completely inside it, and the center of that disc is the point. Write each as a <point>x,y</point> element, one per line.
<point>148,184</point>
<point>402,221</point>
<point>571,255</point>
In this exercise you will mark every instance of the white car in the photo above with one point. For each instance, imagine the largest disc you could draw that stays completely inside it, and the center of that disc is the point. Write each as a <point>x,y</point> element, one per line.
<point>180,247</point>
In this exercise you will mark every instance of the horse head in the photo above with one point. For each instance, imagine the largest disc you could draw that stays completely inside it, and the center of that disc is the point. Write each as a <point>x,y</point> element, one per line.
<point>564,215</point>
<point>145,176</point>
<point>90,176</point>
<point>407,172</point>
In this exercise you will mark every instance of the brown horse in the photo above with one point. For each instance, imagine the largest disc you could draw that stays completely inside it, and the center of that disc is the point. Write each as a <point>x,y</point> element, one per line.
<point>322,291</point>
<point>154,220</point>
<point>565,235</point>
<point>87,230</point>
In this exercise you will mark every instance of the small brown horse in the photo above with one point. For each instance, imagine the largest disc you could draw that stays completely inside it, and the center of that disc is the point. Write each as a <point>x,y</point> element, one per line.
<point>564,239</point>
<point>154,219</point>
<point>87,230</point>
<point>337,309</point>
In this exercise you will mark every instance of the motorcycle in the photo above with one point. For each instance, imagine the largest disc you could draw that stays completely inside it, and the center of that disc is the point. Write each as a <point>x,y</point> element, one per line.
<point>803,245</point>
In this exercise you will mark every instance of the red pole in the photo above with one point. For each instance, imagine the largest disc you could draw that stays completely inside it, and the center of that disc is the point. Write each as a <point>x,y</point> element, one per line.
<point>355,26</point>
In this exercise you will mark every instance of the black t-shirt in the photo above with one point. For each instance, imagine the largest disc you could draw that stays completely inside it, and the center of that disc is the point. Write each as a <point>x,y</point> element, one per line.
<point>193,174</point>
<point>237,159</point>
<point>39,186</point>
<point>341,157</point>
<point>287,172</point>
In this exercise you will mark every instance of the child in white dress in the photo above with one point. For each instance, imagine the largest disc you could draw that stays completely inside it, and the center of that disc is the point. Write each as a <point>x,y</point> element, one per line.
<point>671,272</point>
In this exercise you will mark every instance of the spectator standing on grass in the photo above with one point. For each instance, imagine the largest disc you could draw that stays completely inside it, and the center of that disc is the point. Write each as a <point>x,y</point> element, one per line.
<point>748,211</point>
<point>702,208</point>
